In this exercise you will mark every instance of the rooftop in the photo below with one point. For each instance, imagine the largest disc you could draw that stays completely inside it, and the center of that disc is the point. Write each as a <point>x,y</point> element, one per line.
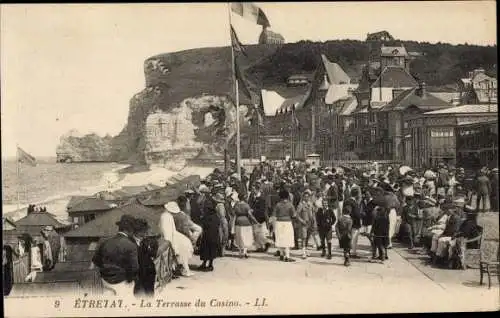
<point>39,219</point>
<point>339,91</point>
<point>397,77</point>
<point>89,204</point>
<point>467,109</point>
<point>411,97</point>
<point>105,225</point>
<point>336,74</point>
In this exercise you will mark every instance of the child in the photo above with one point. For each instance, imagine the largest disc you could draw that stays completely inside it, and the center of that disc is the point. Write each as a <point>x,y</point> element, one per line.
<point>344,228</point>
<point>380,233</point>
<point>325,219</point>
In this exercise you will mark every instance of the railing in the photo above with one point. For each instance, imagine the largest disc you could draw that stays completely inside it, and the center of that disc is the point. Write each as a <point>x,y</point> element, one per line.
<point>360,164</point>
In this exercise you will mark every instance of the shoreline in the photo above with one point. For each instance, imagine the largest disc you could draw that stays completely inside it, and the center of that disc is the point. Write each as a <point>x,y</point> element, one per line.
<point>54,202</point>
<point>114,179</point>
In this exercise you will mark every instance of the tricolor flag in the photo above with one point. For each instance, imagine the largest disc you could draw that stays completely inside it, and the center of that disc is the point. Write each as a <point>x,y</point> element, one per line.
<point>24,157</point>
<point>243,86</point>
<point>235,42</point>
<point>250,12</point>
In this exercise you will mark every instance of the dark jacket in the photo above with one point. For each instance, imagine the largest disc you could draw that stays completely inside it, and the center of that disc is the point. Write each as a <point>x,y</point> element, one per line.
<point>452,226</point>
<point>117,259</point>
<point>344,226</point>
<point>368,212</point>
<point>258,205</point>
<point>210,238</point>
<point>147,271</point>
<point>494,185</point>
<point>325,218</point>
<point>351,207</point>
<point>469,230</point>
<point>380,226</point>
<point>333,196</point>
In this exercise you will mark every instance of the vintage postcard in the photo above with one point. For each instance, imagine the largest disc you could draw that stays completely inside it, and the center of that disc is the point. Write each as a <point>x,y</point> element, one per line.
<point>249,158</point>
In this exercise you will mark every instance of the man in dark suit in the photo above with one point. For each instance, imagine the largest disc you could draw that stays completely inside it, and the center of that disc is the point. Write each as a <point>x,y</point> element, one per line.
<point>117,259</point>
<point>483,189</point>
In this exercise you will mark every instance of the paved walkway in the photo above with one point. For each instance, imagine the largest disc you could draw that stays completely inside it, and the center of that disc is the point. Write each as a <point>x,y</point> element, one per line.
<point>318,285</point>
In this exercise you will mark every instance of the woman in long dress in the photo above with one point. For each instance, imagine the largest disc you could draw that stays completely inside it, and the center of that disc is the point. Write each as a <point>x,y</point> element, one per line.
<point>243,229</point>
<point>282,215</point>
<point>181,244</point>
<point>210,244</point>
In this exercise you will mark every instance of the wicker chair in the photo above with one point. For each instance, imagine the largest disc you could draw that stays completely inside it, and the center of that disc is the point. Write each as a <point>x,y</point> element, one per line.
<point>490,268</point>
<point>469,256</point>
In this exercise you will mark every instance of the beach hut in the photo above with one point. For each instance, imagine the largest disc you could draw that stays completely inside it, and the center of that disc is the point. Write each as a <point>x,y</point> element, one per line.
<point>84,209</point>
<point>82,241</point>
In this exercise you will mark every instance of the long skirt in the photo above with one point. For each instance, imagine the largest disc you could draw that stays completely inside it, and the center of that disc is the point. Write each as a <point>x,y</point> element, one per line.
<point>183,247</point>
<point>243,236</point>
<point>284,234</point>
<point>393,218</point>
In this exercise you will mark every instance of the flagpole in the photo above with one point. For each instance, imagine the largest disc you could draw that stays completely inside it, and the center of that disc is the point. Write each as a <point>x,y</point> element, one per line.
<point>235,80</point>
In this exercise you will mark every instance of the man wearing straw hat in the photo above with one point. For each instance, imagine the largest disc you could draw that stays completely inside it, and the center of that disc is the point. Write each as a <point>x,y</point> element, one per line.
<point>117,259</point>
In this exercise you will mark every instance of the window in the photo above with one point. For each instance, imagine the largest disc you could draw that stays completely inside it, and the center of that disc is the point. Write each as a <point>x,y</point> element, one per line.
<point>405,125</point>
<point>372,117</point>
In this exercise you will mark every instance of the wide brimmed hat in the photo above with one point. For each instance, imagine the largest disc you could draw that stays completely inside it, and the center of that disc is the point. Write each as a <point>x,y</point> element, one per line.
<point>219,197</point>
<point>203,189</point>
<point>126,220</point>
<point>403,170</point>
<point>172,207</point>
<point>469,210</point>
<point>460,202</point>
<point>307,191</point>
<point>429,174</point>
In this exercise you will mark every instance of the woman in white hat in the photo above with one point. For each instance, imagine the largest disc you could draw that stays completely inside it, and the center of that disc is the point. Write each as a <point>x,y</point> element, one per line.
<point>181,244</point>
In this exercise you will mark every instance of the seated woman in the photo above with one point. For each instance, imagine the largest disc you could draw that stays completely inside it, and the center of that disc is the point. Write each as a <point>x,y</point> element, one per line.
<point>181,244</point>
<point>469,229</point>
<point>436,228</point>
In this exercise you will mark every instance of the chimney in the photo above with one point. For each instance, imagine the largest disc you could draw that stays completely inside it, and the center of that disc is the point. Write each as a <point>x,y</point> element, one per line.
<point>422,90</point>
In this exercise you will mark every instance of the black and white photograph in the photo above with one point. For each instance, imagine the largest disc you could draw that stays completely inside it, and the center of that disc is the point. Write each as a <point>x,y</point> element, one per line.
<point>240,158</point>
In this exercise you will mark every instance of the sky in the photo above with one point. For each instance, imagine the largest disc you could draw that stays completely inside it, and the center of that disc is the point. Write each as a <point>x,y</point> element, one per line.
<point>76,66</point>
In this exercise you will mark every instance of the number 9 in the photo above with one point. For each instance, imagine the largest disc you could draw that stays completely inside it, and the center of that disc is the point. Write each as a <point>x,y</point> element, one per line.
<point>56,304</point>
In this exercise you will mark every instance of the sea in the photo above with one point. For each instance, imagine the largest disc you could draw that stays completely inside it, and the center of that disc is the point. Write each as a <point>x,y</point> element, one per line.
<point>49,181</point>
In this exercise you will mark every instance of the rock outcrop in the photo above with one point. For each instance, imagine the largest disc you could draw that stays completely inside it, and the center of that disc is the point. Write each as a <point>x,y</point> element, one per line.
<point>74,147</point>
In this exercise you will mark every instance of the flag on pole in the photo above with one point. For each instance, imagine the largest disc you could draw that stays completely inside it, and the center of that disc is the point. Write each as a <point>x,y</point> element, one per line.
<point>235,42</point>
<point>243,85</point>
<point>24,157</point>
<point>250,12</point>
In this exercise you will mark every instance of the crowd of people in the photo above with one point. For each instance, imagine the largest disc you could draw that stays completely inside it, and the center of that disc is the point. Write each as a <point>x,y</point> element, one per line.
<point>286,207</point>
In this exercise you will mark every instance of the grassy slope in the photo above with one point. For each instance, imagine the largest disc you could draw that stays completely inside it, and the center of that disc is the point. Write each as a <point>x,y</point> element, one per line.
<point>208,70</point>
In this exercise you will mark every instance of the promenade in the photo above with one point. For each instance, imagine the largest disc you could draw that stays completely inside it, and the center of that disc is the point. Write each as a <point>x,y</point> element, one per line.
<point>318,285</point>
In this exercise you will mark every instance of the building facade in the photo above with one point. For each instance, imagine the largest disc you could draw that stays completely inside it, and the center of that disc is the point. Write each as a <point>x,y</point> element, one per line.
<point>478,88</point>
<point>433,135</point>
